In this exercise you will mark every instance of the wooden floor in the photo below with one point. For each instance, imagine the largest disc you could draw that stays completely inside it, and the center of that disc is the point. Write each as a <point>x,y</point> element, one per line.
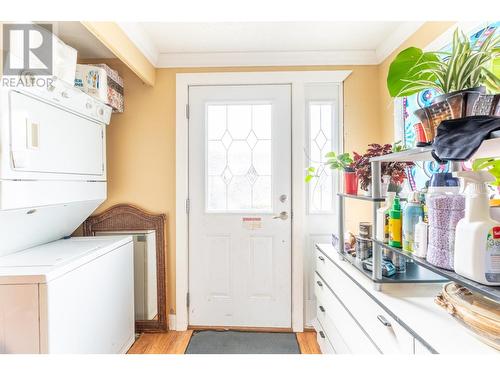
<point>174,342</point>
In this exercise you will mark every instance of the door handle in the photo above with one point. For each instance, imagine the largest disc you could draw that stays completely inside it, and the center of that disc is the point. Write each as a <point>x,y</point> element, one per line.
<point>283,215</point>
<point>383,320</point>
<point>322,334</point>
<point>321,258</point>
<point>321,308</point>
<point>319,283</point>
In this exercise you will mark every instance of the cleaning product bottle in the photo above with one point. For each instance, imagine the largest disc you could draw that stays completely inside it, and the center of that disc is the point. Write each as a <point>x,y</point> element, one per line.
<point>411,213</point>
<point>382,230</point>
<point>477,240</point>
<point>420,247</point>
<point>395,225</point>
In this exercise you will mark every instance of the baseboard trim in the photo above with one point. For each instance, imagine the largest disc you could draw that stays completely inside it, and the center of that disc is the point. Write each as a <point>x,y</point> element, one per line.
<point>236,328</point>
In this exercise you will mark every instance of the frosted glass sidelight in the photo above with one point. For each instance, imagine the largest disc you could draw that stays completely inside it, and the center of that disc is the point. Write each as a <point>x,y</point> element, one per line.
<point>239,157</point>
<point>320,143</point>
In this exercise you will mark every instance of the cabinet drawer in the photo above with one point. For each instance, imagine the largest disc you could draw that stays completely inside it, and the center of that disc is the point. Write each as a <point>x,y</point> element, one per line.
<point>338,324</point>
<point>323,341</point>
<point>328,326</point>
<point>389,336</point>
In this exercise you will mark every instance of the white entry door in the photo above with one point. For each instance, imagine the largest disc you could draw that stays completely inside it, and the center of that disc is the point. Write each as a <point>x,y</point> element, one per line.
<point>239,206</point>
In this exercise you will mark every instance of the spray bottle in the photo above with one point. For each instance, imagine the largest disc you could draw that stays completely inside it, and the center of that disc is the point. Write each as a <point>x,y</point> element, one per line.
<point>477,240</point>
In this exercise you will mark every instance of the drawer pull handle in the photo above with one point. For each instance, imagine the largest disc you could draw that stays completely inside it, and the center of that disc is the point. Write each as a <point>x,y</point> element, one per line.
<point>321,308</point>
<point>319,283</point>
<point>322,334</point>
<point>383,320</point>
<point>321,258</point>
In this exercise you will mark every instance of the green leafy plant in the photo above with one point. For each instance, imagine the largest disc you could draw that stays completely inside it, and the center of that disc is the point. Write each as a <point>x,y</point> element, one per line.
<point>463,68</point>
<point>333,161</point>
<point>491,165</point>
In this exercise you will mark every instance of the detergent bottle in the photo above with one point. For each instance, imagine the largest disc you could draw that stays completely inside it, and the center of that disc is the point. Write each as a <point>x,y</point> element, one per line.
<point>477,240</point>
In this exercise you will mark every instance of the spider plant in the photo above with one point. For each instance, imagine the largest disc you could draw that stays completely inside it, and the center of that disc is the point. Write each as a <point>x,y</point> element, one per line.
<point>463,68</point>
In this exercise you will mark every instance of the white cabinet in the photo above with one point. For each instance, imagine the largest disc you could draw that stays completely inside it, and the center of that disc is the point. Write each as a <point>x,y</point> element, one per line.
<point>421,349</point>
<point>351,320</point>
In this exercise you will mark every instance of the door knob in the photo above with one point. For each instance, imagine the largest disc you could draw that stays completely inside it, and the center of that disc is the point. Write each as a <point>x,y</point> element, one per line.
<point>283,215</point>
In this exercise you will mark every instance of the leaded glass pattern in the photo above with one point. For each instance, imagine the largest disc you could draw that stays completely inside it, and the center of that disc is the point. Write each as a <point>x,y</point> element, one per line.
<point>239,157</point>
<point>320,143</point>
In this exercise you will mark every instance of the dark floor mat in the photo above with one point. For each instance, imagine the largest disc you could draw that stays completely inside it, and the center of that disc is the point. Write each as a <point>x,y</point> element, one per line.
<point>234,342</point>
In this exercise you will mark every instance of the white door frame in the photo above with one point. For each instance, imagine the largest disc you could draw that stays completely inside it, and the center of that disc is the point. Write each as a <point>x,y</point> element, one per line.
<point>297,80</point>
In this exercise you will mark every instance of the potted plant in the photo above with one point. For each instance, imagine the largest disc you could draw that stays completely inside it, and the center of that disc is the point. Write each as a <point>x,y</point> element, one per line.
<point>342,162</point>
<point>395,172</point>
<point>461,76</point>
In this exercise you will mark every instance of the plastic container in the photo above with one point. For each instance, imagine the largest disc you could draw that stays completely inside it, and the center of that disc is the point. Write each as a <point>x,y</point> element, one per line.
<point>411,214</point>
<point>477,243</point>
<point>421,238</point>
<point>445,211</point>
<point>382,230</point>
<point>395,224</point>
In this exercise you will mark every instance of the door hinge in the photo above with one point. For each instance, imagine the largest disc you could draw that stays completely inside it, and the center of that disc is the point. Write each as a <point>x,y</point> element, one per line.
<point>187,299</point>
<point>187,111</point>
<point>188,205</point>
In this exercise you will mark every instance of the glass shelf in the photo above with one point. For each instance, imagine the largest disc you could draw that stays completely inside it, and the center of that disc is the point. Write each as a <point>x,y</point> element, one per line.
<point>414,273</point>
<point>492,292</point>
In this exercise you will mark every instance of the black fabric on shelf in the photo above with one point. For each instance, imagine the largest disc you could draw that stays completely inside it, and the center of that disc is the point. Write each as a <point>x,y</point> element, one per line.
<point>458,139</point>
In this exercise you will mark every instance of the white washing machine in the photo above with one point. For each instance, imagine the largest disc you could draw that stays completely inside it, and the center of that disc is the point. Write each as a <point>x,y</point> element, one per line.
<point>68,296</point>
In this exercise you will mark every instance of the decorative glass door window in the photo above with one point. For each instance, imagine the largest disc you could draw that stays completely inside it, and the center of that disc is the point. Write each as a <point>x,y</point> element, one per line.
<point>320,143</point>
<point>238,157</point>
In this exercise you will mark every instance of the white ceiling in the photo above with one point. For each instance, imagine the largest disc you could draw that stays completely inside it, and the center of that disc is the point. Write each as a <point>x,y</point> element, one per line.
<point>187,44</point>
<point>267,36</point>
<point>267,43</point>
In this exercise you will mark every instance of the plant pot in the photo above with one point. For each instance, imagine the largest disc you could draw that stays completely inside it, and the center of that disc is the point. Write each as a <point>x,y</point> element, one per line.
<point>458,104</point>
<point>350,182</point>
<point>443,97</point>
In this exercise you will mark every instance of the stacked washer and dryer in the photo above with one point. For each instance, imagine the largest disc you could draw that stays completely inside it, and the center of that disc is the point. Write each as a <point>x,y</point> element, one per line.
<point>58,294</point>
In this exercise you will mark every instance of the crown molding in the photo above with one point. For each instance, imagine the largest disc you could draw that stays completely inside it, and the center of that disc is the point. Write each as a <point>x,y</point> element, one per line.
<point>398,37</point>
<point>141,40</point>
<point>228,59</point>
<point>285,58</point>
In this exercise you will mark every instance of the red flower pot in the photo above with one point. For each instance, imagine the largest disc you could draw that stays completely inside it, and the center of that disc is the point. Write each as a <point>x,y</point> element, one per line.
<point>350,182</point>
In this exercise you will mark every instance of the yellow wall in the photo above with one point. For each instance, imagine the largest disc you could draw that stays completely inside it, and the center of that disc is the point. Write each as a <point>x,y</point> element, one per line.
<point>141,141</point>
<point>425,35</point>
